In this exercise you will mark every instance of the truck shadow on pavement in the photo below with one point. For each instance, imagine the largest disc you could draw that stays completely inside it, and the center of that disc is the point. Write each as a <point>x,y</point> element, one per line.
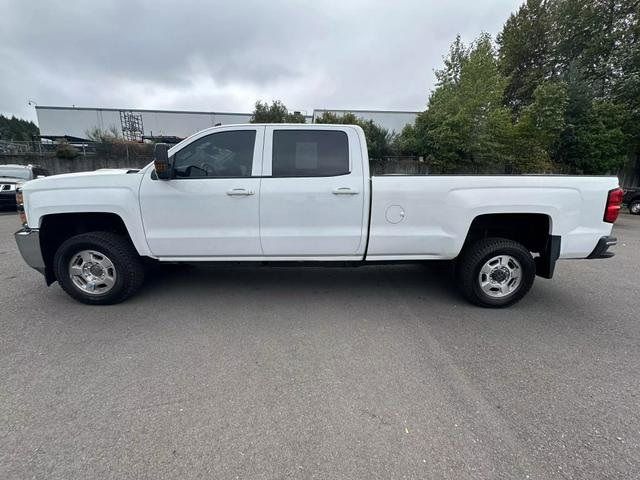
<point>434,279</point>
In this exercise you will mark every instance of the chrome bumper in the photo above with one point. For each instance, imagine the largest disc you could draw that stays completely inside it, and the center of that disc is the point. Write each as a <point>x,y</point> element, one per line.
<point>28,241</point>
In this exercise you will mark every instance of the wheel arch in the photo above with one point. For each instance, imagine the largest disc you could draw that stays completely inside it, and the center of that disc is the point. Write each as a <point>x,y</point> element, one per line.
<point>533,230</point>
<point>58,227</point>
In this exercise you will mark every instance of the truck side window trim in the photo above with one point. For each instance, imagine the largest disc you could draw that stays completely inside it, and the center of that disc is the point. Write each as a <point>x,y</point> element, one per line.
<point>155,177</point>
<point>306,176</point>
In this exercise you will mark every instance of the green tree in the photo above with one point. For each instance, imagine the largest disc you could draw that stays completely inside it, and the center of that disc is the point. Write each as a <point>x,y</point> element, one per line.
<point>453,63</point>
<point>626,87</point>
<point>17,129</point>
<point>544,117</point>
<point>67,151</point>
<point>597,45</point>
<point>275,113</point>
<point>525,52</point>
<point>568,74</point>
<point>406,143</point>
<point>593,141</point>
<point>379,139</point>
<point>590,35</point>
<point>466,127</point>
<point>334,118</point>
<point>296,117</point>
<point>538,129</point>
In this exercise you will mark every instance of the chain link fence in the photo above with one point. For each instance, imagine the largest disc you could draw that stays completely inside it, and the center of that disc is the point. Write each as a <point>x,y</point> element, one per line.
<point>72,150</point>
<point>76,157</point>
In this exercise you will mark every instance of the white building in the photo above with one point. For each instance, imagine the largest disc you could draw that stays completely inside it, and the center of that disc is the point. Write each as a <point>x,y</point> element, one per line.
<point>75,123</point>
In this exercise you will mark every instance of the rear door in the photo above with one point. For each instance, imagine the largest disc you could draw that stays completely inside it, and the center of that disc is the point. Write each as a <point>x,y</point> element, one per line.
<point>210,208</point>
<point>312,195</point>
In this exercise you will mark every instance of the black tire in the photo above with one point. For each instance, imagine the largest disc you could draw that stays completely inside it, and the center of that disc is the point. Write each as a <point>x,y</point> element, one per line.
<point>477,254</point>
<point>126,261</point>
<point>634,207</point>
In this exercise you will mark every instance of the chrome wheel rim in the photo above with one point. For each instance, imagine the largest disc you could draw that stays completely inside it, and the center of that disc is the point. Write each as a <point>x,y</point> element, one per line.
<point>635,207</point>
<point>500,276</point>
<point>92,272</point>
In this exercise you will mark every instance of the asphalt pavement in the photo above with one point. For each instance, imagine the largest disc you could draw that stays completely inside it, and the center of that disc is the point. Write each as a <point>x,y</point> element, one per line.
<point>356,373</point>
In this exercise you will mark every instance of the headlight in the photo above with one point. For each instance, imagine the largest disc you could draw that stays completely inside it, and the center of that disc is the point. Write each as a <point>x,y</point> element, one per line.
<point>20,205</point>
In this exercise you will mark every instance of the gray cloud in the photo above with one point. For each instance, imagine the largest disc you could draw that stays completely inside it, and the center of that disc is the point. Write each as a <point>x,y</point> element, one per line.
<point>223,56</point>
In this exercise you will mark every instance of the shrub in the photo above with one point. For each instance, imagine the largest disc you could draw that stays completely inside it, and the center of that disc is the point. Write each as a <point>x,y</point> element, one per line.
<point>65,150</point>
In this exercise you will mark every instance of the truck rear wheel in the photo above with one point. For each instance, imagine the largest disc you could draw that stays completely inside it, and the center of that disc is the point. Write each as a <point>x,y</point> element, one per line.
<point>495,272</point>
<point>98,268</point>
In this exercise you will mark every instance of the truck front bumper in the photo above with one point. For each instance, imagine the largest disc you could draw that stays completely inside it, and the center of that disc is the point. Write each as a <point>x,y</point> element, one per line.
<point>28,241</point>
<point>602,248</point>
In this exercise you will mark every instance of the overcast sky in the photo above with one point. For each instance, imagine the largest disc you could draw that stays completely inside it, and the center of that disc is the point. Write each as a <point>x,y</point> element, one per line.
<point>222,56</point>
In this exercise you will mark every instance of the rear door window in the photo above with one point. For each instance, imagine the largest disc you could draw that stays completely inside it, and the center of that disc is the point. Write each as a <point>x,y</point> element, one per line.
<point>309,153</point>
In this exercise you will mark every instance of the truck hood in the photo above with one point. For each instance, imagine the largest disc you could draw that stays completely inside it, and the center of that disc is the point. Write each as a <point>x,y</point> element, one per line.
<point>102,171</point>
<point>105,177</point>
<point>12,180</point>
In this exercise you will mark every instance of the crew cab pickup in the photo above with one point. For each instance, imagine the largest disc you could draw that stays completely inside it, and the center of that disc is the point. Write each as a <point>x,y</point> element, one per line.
<point>303,193</point>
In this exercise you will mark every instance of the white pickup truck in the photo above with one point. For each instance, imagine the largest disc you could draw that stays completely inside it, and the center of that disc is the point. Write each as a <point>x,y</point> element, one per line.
<point>303,193</point>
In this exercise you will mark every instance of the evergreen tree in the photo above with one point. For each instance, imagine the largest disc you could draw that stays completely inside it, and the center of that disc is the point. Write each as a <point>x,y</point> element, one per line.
<point>16,129</point>
<point>379,140</point>
<point>567,71</point>
<point>525,52</point>
<point>466,127</point>
<point>275,113</point>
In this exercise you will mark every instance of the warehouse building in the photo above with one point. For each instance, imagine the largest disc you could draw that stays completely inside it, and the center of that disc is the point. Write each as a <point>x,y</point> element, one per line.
<point>75,123</point>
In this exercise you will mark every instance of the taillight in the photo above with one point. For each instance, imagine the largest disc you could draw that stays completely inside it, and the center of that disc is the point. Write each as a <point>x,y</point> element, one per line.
<point>614,201</point>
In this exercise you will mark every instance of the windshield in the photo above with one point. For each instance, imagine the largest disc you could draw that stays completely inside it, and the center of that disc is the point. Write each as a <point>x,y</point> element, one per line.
<point>12,172</point>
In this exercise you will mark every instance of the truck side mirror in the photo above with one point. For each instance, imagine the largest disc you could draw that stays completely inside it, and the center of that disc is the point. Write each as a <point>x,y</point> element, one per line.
<point>162,162</point>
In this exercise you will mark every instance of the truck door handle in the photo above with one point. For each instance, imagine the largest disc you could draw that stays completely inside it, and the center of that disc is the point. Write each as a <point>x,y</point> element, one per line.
<point>345,191</point>
<point>239,192</point>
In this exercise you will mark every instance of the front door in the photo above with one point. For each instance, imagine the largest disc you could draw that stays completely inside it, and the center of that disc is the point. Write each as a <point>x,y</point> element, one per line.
<point>211,206</point>
<point>312,196</point>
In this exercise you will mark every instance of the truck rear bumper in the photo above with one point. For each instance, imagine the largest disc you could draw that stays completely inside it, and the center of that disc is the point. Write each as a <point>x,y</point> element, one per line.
<point>28,241</point>
<point>602,248</point>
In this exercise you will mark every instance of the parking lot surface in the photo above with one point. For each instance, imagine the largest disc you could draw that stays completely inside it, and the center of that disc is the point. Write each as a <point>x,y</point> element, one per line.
<point>372,372</point>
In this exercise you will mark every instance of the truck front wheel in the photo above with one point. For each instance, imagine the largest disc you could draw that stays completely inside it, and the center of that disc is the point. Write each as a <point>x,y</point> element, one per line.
<point>495,272</point>
<point>98,268</point>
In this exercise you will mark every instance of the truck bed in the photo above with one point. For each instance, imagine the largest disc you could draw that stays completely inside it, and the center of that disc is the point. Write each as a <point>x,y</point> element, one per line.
<point>432,213</point>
